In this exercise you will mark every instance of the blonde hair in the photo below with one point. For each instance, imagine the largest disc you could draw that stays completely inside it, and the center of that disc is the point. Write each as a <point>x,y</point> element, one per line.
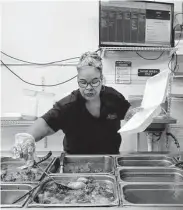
<point>90,59</point>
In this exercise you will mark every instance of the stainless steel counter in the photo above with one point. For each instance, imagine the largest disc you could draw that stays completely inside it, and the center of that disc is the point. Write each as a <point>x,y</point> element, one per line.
<point>114,208</point>
<point>57,153</point>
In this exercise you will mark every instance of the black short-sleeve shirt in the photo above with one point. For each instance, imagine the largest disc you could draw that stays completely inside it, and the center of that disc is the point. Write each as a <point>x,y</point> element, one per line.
<point>84,133</point>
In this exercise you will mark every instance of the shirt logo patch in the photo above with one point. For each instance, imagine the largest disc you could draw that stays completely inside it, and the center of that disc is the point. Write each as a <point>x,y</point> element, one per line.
<point>112,116</point>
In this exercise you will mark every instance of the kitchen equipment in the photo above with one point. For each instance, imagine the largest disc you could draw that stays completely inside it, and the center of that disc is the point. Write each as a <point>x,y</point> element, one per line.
<point>145,161</point>
<point>42,159</point>
<point>179,164</point>
<point>10,173</point>
<point>62,156</point>
<point>10,192</point>
<point>149,174</point>
<point>66,178</point>
<point>61,186</point>
<point>148,194</point>
<point>28,193</point>
<point>98,164</point>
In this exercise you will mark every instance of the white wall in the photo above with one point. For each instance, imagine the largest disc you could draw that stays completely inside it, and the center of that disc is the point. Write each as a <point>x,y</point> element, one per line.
<point>43,32</point>
<point>50,31</point>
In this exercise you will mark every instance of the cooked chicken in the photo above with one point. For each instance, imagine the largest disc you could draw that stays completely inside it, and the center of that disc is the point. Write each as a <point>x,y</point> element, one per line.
<point>92,191</point>
<point>82,179</point>
<point>76,185</point>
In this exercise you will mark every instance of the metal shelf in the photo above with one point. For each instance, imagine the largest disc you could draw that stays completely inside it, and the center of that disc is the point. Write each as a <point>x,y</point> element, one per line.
<point>178,75</point>
<point>164,120</point>
<point>10,123</point>
<point>176,95</point>
<point>168,49</point>
<point>159,124</point>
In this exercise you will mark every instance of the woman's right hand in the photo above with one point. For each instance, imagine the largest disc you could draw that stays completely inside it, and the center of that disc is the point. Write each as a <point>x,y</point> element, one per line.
<point>25,148</point>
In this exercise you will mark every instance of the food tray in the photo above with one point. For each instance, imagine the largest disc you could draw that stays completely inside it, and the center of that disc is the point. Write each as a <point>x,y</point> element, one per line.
<point>11,192</point>
<point>145,161</point>
<point>148,194</point>
<point>147,174</point>
<point>11,173</point>
<point>78,197</point>
<point>84,164</point>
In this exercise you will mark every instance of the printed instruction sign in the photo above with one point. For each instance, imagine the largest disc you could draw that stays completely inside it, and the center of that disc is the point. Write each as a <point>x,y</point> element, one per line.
<point>123,72</point>
<point>148,72</point>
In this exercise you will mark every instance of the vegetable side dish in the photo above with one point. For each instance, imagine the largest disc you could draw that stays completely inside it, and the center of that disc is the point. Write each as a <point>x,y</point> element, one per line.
<point>24,175</point>
<point>83,168</point>
<point>12,173</point>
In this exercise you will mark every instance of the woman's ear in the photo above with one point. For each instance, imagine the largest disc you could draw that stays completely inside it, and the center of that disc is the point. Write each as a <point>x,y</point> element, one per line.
<point>103,79</point>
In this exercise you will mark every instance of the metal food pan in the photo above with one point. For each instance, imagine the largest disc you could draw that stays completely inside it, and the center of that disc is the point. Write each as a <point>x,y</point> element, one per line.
<point>11,192</point>
<point>84,164</point>
<point>9,166</point>
<point>152,174</point>
<point>148,194</point>
<point>73,200</point>
<point>145,161</point>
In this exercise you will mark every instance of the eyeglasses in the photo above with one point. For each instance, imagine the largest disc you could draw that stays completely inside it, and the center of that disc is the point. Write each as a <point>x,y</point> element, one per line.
<point>94,83</point>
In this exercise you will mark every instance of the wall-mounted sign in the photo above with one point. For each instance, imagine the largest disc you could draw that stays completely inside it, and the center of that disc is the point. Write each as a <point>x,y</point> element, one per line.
<point>147,72</point>
<point>123,72</point>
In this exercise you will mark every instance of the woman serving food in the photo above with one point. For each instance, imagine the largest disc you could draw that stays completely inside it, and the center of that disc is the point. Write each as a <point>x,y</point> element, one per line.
<point>89,117</point>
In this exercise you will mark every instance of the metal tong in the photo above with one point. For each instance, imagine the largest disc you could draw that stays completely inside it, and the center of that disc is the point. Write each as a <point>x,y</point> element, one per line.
<point>29,192</point>
<point>179,164</point>
<point>61,186</point>
<point>35,165</point>
<point>43,159</point>
<point>62,156</point>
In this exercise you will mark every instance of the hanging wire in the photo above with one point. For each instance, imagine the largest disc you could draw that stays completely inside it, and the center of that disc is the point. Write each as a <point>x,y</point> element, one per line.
<point>150,58</point>
<point>39,63</point>
<point>60,83</point>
